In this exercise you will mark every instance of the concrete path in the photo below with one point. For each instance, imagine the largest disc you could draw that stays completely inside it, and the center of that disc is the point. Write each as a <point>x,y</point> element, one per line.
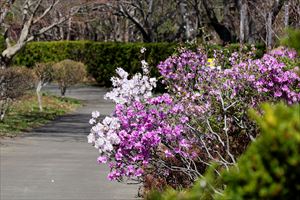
<point>55,161</point>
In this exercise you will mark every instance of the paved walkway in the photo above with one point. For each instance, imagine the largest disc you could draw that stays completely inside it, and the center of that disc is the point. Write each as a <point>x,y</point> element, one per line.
<point>55,161</point>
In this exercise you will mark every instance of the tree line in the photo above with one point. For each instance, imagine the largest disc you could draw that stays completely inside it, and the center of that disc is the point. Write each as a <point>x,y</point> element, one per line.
<point>221,21</point>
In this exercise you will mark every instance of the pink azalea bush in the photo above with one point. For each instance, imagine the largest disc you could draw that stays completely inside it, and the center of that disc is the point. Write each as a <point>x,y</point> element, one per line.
<point>202,118</point>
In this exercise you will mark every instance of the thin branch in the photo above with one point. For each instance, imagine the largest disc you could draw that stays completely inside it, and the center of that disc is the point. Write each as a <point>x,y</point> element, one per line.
<point>52,5</point>
<point>47,28</point>
<point>217,135</point>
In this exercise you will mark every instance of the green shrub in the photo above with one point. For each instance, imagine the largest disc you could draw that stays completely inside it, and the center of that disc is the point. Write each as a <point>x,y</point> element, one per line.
<point>68,73</point>
<point>269,169</point>
<point>102,58</point>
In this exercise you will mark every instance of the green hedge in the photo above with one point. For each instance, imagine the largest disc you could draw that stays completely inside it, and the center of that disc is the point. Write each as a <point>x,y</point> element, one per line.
<point>103,58</point>
<point>269,169</point>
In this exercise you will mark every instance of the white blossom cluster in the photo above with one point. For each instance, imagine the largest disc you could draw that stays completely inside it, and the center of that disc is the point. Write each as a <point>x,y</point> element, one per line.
<point>145,67</point>
<point>143,50</point>
<point>103,134</point>
<point>126,90</point>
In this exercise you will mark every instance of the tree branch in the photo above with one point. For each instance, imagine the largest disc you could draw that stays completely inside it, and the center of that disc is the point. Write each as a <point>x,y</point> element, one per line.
<point>52,5</point>
<point>47,28</point>
<point>223,32</point>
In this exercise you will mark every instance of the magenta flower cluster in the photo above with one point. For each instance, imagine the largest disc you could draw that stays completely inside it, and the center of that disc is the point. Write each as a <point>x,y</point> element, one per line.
<point>188,73</point>
<point>145,132</point>
<point>284,52</point>
<point>270,77</point>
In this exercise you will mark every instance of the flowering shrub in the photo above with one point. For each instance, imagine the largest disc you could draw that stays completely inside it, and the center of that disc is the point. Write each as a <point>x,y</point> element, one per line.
<point>187,73</point>
<point>173,137</point>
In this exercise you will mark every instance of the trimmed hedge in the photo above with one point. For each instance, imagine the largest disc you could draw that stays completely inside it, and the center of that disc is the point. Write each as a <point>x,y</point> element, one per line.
<point>102,58</point>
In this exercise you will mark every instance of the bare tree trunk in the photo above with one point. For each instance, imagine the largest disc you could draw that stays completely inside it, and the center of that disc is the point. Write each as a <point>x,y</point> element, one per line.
<point>10,51</point>
<point>199,23</point>
<point>269,30</point>
<point>38,94</point>
<point>4,104</point>
<point>149,21</point>
<point>2,110</point>
<point>62,34</point>
<point>243,21</point>
<point>223,32</point>
<point>286,13</point>
<point>63,90</point>
<point>184,14</point>
<point>81,31</point>
<point>61,27</point>
<point>126,31</point>
<point>247,24</point>
<point>69,28</point>
<point>117,30</point>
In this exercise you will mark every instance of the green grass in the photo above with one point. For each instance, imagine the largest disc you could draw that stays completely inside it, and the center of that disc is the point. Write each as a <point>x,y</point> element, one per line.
<point>24,113</point>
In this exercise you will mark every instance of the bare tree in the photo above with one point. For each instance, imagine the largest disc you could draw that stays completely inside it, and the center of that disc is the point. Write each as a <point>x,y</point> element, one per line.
<point>33,12</point>
<point>44,75</point>
<point>225,34</point>
<point>147,15</point>
<point>155,20</point>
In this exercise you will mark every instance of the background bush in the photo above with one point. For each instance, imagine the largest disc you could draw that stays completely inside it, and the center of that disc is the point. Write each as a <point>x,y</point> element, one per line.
<point>269,169</point>
<point>14,82</point>
<point>102,59</point>
<point>68,73</point>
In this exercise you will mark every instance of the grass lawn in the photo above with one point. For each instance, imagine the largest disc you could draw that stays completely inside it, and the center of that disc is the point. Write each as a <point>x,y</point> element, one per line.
<point>24,113</point>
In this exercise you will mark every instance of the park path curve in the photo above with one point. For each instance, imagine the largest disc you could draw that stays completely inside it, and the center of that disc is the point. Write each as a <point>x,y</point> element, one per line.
<point>54,162</point>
